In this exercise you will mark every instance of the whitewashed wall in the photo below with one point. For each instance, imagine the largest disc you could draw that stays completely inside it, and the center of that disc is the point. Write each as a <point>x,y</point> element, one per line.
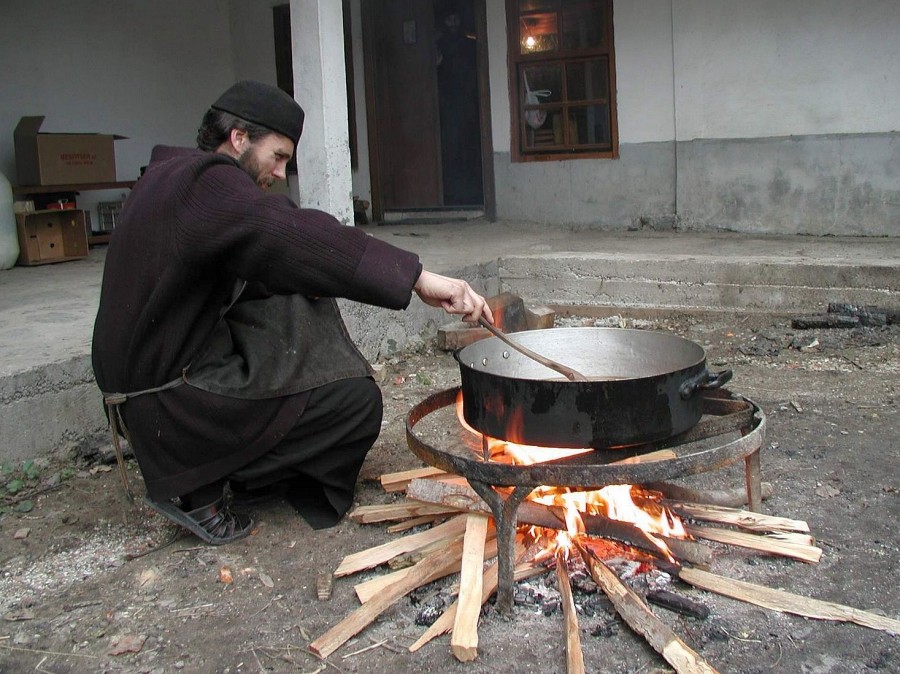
<point>763,116</point>
<point>146,70</point>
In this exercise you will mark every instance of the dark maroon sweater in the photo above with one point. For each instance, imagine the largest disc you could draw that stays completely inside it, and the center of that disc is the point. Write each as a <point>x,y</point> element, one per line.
<point>194,223</point>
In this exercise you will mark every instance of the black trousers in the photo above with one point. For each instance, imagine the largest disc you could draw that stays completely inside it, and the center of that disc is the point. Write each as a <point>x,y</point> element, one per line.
<point>320,458</point>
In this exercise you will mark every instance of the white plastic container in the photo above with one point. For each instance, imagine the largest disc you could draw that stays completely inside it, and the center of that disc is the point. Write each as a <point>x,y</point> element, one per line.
<point>9,237</point>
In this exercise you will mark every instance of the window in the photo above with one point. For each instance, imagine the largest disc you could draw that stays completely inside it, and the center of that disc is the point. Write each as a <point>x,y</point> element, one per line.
<point>562,74</point>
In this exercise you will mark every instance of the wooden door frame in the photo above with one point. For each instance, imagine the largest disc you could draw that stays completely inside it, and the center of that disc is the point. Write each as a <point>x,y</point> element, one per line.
<point>368,7</point>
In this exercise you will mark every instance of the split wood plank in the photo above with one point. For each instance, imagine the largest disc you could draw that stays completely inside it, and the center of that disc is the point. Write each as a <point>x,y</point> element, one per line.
<point>641,619</point>
<point>408,559</point>
<point>786,602</point>
<point>574,654</point>
<point>388,512</point>
<point>366,559</point>
<point>434,566</point>
<point>489,586</point>
<point>368,589</point>
<point>744,519</point>
<point>731,498</point>
<point>413,523</point>
<point>785,544</point>
<point>464,642</point>
<point>392,482</point>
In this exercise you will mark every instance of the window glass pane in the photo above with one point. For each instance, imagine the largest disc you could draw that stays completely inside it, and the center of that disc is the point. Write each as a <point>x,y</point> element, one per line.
<point>544,82</point>
<point>540,132</point>
<point>532,5</point>
<point>537,33</point>
<point>587,80</point>
<point>589,125</point>
<point>584,25</point>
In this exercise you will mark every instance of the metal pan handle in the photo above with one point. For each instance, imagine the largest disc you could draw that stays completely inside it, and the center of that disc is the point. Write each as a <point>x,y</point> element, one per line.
<point>704,380</point>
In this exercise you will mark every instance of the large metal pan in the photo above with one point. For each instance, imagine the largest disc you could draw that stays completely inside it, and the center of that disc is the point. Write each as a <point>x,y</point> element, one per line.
<point>642,386</point>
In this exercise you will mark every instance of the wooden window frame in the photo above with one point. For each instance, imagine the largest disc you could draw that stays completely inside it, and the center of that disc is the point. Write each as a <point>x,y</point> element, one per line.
<point>517,61</point>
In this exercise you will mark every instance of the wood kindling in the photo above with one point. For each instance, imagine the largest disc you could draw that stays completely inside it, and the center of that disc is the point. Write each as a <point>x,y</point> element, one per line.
<point>464,642</point>
<point>785,544</point>
<point>396,511</point>
<point>574,655</point>
<point>641,619</point>
<point>786,602</point>
<point>489,586</point>
<point>369,588</point>
<point>744,519</point>
<point>366,559</point>
<point>463,496</point>
<point>392,482</point>
<point>436,565</point>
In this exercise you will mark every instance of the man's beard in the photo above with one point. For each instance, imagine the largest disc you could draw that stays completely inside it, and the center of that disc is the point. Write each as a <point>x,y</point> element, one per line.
<point>248,162</point>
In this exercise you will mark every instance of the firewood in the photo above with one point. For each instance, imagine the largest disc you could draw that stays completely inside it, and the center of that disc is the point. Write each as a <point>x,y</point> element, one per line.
<point>786,602</point>
<point>574,656</point>
<point>395,511</point>
<point>729,498</point>
<point>464,642</point>
<point>795,546</point>
<point>412,558</point>
<point>366,559</point>
<point>744,519</point>
<point>398,481</point>
<point>368,589</point>
<point>446,492</point>
<point>675,602</point>
<point>641,619</point>
<point>414,522</point>
<point>489,586</point>
<point>429,569</point>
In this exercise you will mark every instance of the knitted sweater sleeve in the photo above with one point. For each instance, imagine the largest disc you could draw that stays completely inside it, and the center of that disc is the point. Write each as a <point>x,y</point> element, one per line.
<point>222,215</point>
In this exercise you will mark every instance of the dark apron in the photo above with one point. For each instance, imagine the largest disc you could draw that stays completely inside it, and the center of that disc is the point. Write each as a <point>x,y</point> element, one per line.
<point>263,346</point>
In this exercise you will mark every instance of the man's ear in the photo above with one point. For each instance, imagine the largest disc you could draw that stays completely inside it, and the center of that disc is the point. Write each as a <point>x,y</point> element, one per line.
<point>238,139</point>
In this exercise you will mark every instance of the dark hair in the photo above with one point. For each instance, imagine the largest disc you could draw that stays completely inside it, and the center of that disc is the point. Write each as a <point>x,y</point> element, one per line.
<point>217,125</point>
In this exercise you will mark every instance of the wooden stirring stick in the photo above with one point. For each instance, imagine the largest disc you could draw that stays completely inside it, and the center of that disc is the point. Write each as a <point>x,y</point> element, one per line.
<point>568,372</point>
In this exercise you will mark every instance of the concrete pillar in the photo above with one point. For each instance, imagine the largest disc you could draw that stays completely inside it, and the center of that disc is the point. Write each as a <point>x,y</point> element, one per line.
<point>323,155</point>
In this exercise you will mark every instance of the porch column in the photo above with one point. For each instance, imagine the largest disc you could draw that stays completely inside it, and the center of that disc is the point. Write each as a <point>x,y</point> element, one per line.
<point>323,155</point>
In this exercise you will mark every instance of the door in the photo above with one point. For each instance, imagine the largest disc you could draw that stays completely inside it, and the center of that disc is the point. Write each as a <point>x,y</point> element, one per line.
<point>425,131</point>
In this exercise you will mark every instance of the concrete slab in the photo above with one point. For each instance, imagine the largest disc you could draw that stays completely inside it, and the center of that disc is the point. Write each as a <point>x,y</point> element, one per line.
<point>48,400</point>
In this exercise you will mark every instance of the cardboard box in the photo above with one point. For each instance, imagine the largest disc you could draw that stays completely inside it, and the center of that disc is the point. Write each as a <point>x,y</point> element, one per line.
<point>62,158</point>
<point>51,236</point>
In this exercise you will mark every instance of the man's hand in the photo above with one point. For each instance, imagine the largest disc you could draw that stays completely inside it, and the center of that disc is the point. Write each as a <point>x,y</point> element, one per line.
<point>452,295</point>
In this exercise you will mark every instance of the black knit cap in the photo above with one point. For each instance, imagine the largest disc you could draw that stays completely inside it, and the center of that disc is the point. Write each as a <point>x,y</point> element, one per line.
<point>265,105</point>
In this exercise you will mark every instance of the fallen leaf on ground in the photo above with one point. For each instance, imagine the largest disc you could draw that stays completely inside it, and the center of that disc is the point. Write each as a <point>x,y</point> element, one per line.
<point>129,643</point>
<point>226,576</point>
<point>22,533</point>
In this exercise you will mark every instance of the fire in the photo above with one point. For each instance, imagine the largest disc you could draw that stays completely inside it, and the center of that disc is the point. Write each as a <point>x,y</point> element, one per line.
<point>615,502</point>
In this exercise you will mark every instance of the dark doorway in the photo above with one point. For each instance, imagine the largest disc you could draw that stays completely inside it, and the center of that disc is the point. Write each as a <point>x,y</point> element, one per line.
<point>457,81</point>
<point>425,117</point>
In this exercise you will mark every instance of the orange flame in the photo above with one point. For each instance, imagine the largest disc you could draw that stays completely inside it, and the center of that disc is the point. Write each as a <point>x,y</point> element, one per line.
<point>613,501</point>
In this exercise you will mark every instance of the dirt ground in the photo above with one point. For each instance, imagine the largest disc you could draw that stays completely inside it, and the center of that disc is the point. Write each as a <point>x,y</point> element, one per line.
<point>89,583</point>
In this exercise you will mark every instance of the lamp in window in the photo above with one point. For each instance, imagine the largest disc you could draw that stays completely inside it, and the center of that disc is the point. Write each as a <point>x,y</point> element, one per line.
<point>529,41</point>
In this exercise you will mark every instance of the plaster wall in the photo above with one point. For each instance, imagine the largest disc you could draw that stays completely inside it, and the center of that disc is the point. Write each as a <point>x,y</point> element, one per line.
<point>145,70</point>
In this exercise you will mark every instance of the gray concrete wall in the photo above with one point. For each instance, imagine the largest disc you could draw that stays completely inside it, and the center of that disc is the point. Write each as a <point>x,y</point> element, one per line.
<point>820,185</point>
<point>834,185</point>
<point>636,191</point>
